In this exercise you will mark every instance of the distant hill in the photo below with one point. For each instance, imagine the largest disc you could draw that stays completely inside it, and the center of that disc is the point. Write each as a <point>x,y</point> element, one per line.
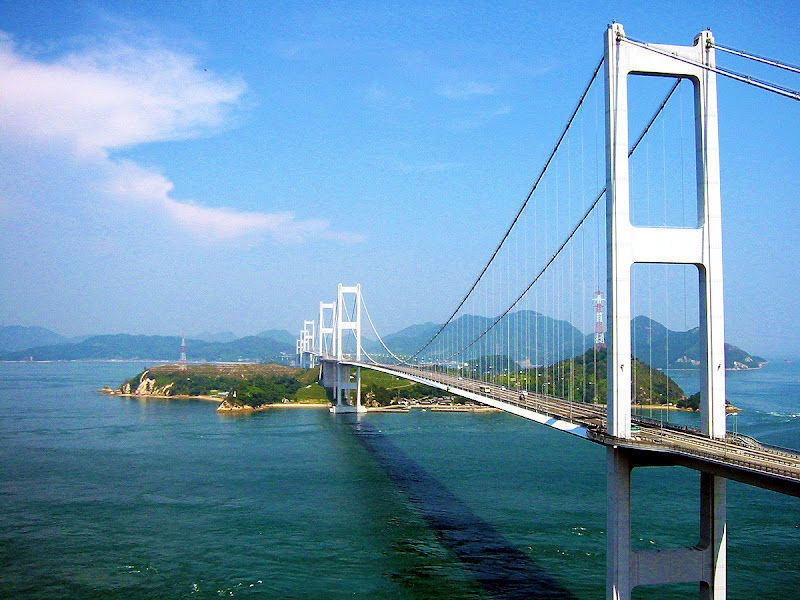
<point>16,337</point>
<point>411,339</point>
<point>155,347</point>
<point>663,348</point>
<point>280,335</point>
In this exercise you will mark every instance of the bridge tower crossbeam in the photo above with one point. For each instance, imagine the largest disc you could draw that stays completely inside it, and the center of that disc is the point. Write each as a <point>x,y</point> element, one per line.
<point>701,247</point>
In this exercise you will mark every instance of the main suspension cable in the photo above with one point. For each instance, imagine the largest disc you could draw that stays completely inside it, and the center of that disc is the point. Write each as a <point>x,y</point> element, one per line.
<point>519,212</point>
<point>380,339</point>
<point>762,59</point>
<point>748,79</point>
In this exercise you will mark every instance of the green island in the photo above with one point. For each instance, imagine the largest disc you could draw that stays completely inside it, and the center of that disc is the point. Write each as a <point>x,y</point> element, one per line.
<point>246,387</point>
<point>236,387</point>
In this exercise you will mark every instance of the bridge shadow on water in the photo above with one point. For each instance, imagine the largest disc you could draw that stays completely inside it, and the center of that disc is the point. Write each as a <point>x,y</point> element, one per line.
<point>503,570</point>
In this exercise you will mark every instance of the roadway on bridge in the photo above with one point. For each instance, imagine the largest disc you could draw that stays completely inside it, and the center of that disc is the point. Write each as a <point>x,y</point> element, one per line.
<point>735,457</point>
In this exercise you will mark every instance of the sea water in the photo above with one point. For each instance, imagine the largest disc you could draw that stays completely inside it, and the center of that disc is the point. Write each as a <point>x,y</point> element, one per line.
<point>107,497</point>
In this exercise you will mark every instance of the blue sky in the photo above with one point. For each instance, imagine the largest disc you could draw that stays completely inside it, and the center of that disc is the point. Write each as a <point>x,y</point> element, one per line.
<point>222,166</point>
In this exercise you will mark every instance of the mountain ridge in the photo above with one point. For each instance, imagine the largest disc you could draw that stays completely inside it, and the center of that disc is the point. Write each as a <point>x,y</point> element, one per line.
<point>651,342</point>
<point>124,346</point>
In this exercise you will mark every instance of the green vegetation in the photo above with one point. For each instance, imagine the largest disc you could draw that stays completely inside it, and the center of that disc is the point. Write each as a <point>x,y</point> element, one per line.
<point>692,402</point>
<point>261,384</point>
<point>584,379</point>
<point>382,389</point>
<point>535,339</point>
<point>241,385</point>
<point>313,392</point>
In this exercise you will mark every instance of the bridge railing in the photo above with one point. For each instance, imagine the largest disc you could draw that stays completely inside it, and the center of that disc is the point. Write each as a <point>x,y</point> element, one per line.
<point>725,458</point>
<point>750,442</point>
<point>431,375</point>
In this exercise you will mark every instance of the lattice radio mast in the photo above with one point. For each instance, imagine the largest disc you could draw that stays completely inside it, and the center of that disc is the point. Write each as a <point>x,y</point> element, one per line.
<point>599,333</point>
<point>182,361</point>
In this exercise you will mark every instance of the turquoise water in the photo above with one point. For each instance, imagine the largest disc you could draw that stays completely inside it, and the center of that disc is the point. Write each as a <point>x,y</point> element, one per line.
<point>119,498</point>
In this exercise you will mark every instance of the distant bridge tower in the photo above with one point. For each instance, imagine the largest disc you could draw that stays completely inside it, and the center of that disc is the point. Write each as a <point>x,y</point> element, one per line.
<point>308,343</point>
<point>702,247</point>
<point>182,361</point>
<point>326,346</point>
<point>344,322</point>
<point>599,334</point>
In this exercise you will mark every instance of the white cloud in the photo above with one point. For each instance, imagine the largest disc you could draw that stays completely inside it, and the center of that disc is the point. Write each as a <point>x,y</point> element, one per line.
<point>465,90</point>
<point>111,97</point>
<point>126,179</point>
<point>91,103</point>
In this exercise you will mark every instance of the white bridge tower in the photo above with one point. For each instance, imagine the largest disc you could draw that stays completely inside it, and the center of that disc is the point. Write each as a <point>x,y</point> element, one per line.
<point>702,247</point>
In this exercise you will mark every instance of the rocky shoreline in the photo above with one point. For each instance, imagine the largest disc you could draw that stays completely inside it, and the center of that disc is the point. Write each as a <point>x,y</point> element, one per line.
<point>228,407</point>
<point>109,391</point>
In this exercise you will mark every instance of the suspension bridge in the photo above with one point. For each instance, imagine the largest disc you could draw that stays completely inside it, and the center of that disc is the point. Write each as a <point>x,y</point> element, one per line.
<point>516,340</point>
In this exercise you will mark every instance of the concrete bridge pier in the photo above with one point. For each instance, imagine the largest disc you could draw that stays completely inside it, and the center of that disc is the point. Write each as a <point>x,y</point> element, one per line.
<point>705,562</point>
<point>327,374</point>
<point>343,401</point>
<point>346,393</point>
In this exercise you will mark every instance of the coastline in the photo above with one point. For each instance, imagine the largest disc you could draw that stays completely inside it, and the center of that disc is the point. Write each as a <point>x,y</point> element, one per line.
<point>107,391</point>
<point>225,407</point>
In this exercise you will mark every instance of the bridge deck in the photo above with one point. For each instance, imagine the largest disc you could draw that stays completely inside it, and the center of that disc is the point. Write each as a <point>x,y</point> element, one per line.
<point>735,457</point>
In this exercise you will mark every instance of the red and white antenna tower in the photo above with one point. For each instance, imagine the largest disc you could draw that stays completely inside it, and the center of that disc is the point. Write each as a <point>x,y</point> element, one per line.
<point>599,334</point>
<point>182,361</point>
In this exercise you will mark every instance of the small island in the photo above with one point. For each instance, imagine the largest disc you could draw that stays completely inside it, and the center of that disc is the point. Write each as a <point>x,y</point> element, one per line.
<point>244,387</point>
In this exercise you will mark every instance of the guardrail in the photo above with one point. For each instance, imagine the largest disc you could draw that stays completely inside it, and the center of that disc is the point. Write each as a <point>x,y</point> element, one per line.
<point>723,459</point>
<point>529,405</point>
